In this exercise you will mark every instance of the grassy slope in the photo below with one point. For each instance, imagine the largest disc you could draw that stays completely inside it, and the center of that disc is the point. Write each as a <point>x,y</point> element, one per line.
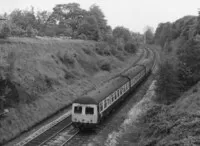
<point>53,72</point>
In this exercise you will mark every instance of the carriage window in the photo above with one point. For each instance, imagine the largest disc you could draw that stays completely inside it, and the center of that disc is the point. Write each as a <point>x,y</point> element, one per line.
<point>114,96</point>
<point>89,110</point>
<point>108,101</point>
<point>123,89</point>
<point>105,104</point>
<point>127,86</point>
<point>78,109</point>
<point>118,93</point>
<point>100,106</point>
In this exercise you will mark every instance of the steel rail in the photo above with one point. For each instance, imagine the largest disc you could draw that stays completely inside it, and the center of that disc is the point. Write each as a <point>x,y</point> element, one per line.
<point>69,139</point>
<point>55,134</point>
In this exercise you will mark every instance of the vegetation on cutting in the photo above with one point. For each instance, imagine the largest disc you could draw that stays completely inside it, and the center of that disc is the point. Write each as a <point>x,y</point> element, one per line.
<point>181,47</point>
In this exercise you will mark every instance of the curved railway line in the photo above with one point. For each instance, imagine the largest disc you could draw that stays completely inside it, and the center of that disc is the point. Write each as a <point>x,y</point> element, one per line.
<point>49,134</point>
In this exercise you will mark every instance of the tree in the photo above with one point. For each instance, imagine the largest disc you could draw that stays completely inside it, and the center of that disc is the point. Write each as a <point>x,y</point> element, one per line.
<point>42,19</point>
<point>23,19</point>
<point>101,21</point>
<point>189,63</point>
<point>162,33</point>
<point>4,31</point>
<point>167,84</point>
<point>89,28</point>
<point>69,15</point>
<point>137,38</point>
<point>122,32</point>
<point>149,35</point>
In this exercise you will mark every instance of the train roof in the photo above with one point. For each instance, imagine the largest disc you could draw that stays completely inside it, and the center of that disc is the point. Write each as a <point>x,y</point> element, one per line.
<point>85,100</point>
<point>97,95</point>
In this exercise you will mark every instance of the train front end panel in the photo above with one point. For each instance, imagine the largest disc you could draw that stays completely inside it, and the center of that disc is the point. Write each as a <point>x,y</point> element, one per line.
<point>84,115</point>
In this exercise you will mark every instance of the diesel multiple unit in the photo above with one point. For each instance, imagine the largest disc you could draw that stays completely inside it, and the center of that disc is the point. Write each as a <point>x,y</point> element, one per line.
<point>89,110</point>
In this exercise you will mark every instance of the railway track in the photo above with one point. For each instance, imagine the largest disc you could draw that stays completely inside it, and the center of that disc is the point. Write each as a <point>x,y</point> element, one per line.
<point>43,137</point>
<point>145,54</point>
<point>62,132</point>
<point>62,137</point>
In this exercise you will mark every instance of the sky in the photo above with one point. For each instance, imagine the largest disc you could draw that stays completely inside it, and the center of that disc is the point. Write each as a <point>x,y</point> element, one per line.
<point>132,14</point>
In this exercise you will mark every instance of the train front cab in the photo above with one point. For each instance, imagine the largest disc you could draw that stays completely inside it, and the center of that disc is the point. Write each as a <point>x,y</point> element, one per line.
<point>84,115</point>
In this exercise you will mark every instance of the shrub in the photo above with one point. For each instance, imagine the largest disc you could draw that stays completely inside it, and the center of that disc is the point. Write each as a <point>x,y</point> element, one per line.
<point>69,75</point>
<point>130,48</point>
<point>5,31</point>
<point>105,66</point>
<point>87,51</point>
<point>168,86</point>
<point>17,31</point>
<point>66,59</point>
<point>189,63</point>
<point>82,37</point>
<point>31,32</point>
<point>103,49</point>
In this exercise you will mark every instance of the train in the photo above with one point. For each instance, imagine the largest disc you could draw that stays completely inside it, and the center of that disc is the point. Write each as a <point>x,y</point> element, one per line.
<point>89,111</point>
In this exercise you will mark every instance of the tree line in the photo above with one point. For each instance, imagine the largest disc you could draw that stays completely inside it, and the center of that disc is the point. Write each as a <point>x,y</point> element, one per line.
<point>66,20</point>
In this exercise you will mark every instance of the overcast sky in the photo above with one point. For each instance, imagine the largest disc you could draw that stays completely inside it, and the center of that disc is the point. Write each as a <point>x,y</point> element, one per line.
<point>133,14</point>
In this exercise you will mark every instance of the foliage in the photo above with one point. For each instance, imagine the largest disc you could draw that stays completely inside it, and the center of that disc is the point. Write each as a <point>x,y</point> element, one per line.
<point>185,28</point>
<point>23,18</point>
<point>137,38</point>
<point>103,49</point>
<point>130,47</point>
<point>182,35</point>
<point>4,31</point>
<point>167,84</point>
<point>103,28</point>
<point>105,66</point>
<point>89,28</point>
<point>189,63</point>
<point>31,32</point>
<point>17,31</point>
<point>67,58</point>
<point>149,35</point>
<point>123,33</point>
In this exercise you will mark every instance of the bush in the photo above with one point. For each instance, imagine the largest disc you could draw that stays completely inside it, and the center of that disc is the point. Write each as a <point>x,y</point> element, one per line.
<point>67,58</point>
<point>130,48</point>
<point>5,31</point>
<point>31,32</point>
<point>189,63</point>
<point>105,66</point>
<point>82,37</point>
<point>168,86</point>
<point>87,51</point>
<point>17,31</point>
<point>103,49</point>
<point>69,75</point>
